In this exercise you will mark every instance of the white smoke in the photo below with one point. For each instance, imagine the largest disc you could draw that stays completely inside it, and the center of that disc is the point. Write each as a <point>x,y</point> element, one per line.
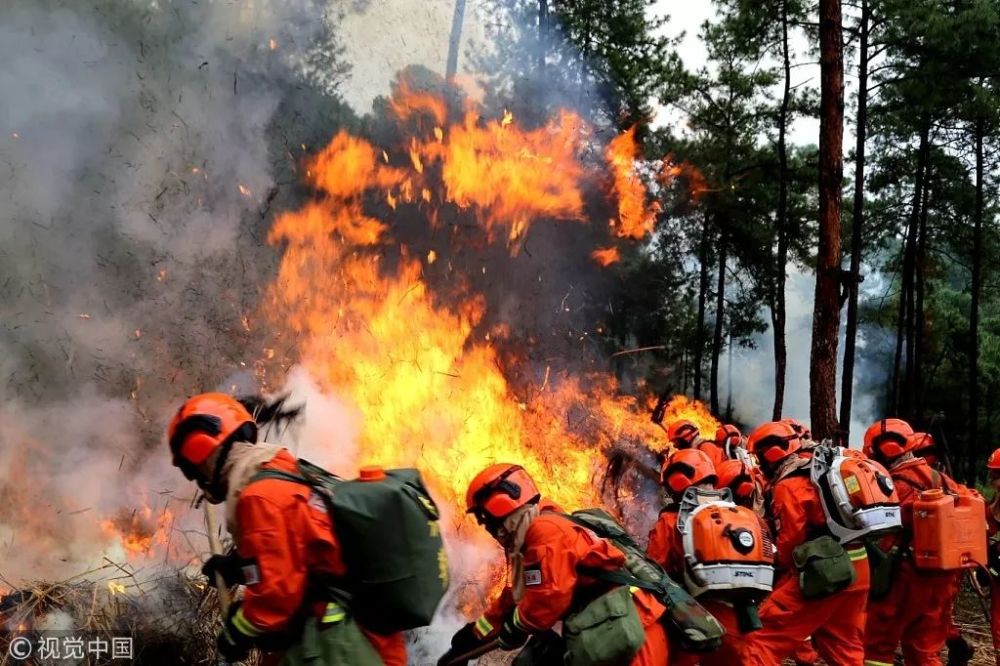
<point>752,377</point>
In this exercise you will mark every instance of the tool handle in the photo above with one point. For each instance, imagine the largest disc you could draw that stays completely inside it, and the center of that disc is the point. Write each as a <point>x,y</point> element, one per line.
<point>477,652</point>
<point>216,548</point>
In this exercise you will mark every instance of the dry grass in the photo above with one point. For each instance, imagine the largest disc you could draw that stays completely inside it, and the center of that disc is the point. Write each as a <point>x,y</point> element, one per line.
<point>173,618</point>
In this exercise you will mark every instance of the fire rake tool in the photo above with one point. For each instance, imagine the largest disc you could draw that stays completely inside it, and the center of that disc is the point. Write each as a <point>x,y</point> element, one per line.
<point>220,583</point>
<point>476,653</point>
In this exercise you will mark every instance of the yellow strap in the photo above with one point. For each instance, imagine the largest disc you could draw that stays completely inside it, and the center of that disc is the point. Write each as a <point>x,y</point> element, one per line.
<point>632,589</point>
<point>872,662</point>
<point>517,620</point>
<point>333,614</point>
<point>243,625</point>
<point>483,627</point>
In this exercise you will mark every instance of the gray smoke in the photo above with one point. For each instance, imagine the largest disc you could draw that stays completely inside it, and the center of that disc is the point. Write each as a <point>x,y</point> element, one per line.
<point>139,146</point>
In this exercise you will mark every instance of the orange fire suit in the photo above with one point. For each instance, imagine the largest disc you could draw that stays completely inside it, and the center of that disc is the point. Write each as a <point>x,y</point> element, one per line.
<point>915,611</point>
<point>666,548</point>
<point>712,450</point>
<point>993,520</point>
<point>836,623</point>
<point>289,539</point>
<point>554,548</point>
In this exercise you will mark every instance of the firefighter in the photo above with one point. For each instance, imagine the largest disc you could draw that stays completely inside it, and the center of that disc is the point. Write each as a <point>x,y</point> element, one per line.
<point>284,544</point>
<point>747,486</point>
<point>923,445</point>
<point>729,438</point>
<point>685,435</point>
<point>918,600</point>
<point>547,555</point>
<point>801,429</point>
<point>993,520</point>
<point>682,470</point>
<point>744,482</point>
<point>836,622</point>
<point>960,651</point>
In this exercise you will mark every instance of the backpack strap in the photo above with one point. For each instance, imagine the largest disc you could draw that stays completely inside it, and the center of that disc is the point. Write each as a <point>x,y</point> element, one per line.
<point>936,480</point>
<point>620,577</point>
<point>280,475</point>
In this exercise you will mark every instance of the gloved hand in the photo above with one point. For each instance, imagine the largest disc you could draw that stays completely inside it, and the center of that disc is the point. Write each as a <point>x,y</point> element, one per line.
<point>230,566</point>
<point>232,643</point>
<point>465,640</point>
<point>511,636</point>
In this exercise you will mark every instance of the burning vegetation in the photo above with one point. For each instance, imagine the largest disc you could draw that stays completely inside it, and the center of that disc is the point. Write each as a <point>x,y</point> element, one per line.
<point>444,282</point>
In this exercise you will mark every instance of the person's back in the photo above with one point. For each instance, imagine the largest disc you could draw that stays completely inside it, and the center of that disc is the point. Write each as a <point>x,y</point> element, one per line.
<point>682,470</point>
<point>914,611</point>
<point>288,532</point>
<point>834,618</point>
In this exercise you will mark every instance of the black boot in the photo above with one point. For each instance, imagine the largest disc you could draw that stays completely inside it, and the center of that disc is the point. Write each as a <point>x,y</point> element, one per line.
<point>960,651</point>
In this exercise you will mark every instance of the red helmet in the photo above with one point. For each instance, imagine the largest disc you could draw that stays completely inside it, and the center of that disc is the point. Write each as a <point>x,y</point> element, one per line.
<point>993,464</point>
<point>738,477</point>
<point>682,433</point>
<point>887,439</point>
<point>728,434</point>
<point>801,429</point>
<point>205,423</point>
<point>773,442</point>
<point>685,468</point>
<point>500,490</point>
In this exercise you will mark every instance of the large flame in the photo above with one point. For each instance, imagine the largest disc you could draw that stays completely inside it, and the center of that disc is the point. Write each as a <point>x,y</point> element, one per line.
<point>427,380</point>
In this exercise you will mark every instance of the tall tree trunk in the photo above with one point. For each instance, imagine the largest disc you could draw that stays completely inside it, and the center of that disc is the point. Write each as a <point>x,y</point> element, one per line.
<point>729,380</point>
<point>699,349</point>
<point>904,376</point>
<point>977,289</point>
<point>858,221</point>
<point>543,34</point>
<point>919,337</point>
<point>720,313</point>
<point>455,40</point>
<point>826,317</point>
<point>897,361</point>
<point>778,308</point>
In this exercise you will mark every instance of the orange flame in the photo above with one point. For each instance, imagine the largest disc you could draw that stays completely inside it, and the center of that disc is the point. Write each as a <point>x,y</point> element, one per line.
<point>683,408</point>
<point>636,219</point>
<point>431,389</point>
<point>139,532</point>
<point>606,256</point>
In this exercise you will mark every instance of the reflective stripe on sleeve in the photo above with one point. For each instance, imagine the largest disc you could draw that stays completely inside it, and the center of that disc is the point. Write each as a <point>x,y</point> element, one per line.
<point>243,625</point>
<point>483,627</point>
<point>517,620</point>
<point>334,613</point>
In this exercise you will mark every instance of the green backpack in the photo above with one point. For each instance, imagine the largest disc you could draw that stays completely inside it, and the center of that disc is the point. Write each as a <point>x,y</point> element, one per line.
<point>695,628</point>
<point>390,542</point>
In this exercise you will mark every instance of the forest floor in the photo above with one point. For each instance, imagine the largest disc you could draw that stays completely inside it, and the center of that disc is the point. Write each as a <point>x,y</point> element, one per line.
<point>970,617</point>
